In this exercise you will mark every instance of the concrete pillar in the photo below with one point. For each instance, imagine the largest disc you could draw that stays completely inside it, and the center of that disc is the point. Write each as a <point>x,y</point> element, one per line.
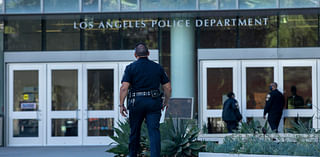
<point>183,59</point>
<point>2,78</point>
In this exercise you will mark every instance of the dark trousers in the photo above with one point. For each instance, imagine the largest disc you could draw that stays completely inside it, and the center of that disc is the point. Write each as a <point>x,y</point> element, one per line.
<point>150,110</point>
<point>274,123</point>
<point>232,125</point>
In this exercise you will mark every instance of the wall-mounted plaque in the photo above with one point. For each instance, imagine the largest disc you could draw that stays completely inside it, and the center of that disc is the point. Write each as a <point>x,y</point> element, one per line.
<point>180,108</point>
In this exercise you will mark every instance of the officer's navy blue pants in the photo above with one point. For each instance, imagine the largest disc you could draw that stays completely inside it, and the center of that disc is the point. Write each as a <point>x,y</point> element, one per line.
<point>231,125</point>
<point>149,109</point>
<point>274,122</point>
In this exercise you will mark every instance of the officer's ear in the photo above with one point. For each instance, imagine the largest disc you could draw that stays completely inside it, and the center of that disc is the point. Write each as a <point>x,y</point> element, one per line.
<point>135,55</point>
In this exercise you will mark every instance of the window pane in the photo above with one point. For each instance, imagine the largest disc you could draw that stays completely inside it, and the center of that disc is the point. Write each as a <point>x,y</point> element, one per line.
<point>129,5</point>
<point>100,89</point>
<point>64,127</point>
<point>167,5</point>
<point>261,120</point>
<point>61,6</point>
<point>298,94</point>
<point>290,121</point>
<point>25,128</point>
<point>258,80</point>
<point>208,4</point>
<point>100,127</point>
<point>219,84</point>
<point>26,89</point>
<point>261,33</point>
<point>298,3</point>
<point>23,6</point>
<point>131,36</point>
<point>61,32</point>
<point>248,4</point>
<point>90,6</point>
<point>110,5</point>
<point>64,90</point>
<point>216,125</point>
<point>22,34</point>
<point>1,6</point>
<point>227,4</point>
<point>298,31</point>
<point>218,36</point>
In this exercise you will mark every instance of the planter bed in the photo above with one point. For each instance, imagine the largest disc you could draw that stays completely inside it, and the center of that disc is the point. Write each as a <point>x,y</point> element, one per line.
<point>204,154</point>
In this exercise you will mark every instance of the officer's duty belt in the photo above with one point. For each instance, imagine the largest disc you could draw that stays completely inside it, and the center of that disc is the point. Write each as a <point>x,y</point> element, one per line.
<point>152,93</point>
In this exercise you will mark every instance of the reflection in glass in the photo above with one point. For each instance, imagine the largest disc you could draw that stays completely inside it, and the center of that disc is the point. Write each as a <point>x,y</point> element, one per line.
<point>207,4</point>
<point>64,127</point>
<point>1,6</point>
<point>25,128</point>
<point>151,5</point>
<point>298,3</point>
<point>23,6</point>
<point>258,80</point>
<point>216,125</point>
<point>248,4</point>
<point>219,84</point>
<point>132,36</point>
<point>260,120</point>
<point>64,90</point>
<point>101,39</point>
<point>298,87</point>
<point>298,31</point>
<point>61,32</point>
<point>218,37</point>
<point>100,127</point>
<point>227,4</point>
<point>100,89</point>
<point>261,34</point>
<point>128,5</point>
<point>26,90</point>
<point>22,34</point>
<point>90,5</point>
<point>61,6</point>
<point>290,121</point>
<point>110,5</point>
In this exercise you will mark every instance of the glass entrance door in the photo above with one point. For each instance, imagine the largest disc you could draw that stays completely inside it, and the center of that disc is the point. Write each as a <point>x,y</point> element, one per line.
<point>219,78</point>
<point>64,104</point>
<point>27,104</point>
<point>256,78</point>
<point>100,102</point>
<point>298,81</point>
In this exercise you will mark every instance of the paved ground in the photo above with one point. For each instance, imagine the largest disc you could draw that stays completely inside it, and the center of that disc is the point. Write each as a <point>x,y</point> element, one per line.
<point>74,151</point>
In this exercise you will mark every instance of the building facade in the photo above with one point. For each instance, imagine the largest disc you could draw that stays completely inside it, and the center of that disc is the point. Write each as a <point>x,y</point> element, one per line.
<point>61,62</point>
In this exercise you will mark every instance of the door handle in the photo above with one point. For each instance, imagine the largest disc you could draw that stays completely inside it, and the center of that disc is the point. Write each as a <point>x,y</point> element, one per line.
<point>39,115</point>
<point>77,114</point>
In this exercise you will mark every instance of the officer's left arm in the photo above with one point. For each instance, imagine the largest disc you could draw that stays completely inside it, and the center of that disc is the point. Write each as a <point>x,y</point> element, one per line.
<point>123,94</point>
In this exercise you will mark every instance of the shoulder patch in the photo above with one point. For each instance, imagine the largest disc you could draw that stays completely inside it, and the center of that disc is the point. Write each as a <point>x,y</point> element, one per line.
<point>268,97</point>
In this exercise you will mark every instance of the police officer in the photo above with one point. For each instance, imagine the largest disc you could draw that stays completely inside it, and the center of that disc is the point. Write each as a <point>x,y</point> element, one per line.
<point>230,113</point>
<point>142,79</point>
<point>274,106</point>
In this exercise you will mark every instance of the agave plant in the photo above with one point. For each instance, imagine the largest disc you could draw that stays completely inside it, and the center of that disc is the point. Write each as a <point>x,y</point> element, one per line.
<point>121,140</point>
<point>180,140</point>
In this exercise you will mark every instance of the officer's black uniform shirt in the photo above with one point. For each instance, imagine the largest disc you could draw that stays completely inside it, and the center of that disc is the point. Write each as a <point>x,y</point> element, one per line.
<point>144,75</point>
<point>274,103</point>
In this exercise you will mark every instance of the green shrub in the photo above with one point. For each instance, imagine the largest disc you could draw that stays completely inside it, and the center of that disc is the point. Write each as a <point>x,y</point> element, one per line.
<point>177,140</point>
<point>266,146</point>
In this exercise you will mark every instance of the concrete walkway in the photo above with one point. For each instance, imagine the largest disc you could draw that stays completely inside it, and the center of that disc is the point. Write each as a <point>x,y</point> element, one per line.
<point>67,151</point>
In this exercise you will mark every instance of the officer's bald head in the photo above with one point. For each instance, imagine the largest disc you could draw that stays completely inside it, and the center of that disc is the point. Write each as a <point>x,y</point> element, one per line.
<point>141,50</point>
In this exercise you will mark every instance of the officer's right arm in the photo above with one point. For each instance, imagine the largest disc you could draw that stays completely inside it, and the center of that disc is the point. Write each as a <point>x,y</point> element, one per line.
<point>268,105</point>
<point>167,93</point>
<point>123,93</point>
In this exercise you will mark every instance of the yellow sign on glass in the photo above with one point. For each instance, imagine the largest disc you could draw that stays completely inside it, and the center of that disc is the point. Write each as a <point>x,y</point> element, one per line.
<point>25,96</point>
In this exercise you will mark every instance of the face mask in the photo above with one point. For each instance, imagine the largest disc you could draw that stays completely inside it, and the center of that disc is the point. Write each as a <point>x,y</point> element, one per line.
<point>270,87</point>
